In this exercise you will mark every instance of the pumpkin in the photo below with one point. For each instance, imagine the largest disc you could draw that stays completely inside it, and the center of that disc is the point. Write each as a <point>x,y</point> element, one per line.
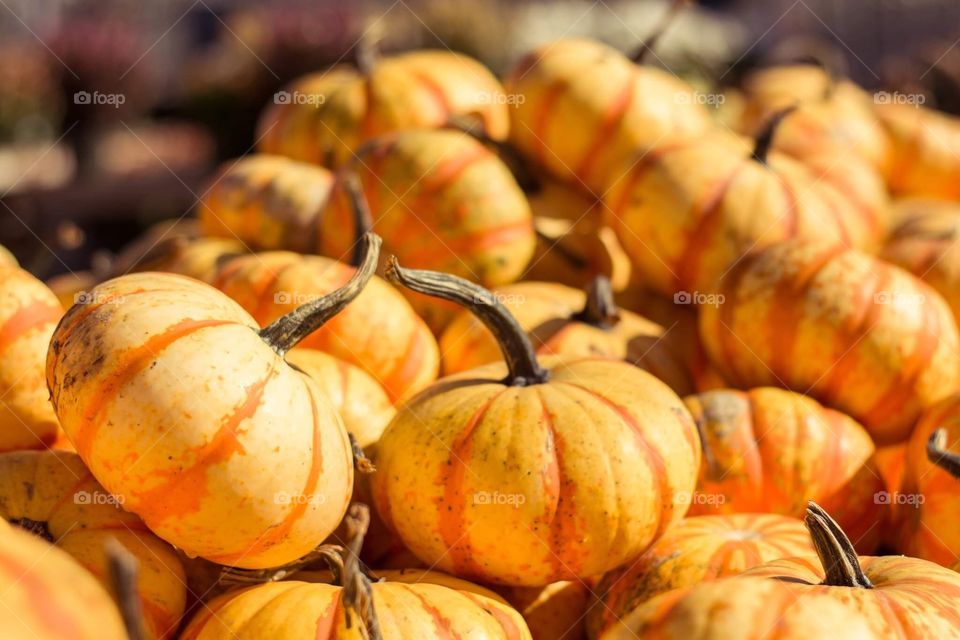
<point>357,397</point>
<point>266,202</point>
<point>47,595</point>
<point>29,312</point>
<point>900,596</point>
<point>7,259</point>
<point>585,111</point>
<point>441,200</point>
<point>696,550</point>
<point>325,117</point>
<point>930,495</point>
<point>852,331</point>
<point>379,332</point>
<point>768,450</point>
<point>576,463</point>
<point>53,495</point>
<point>925,146</point>
<point>740,608</point>
<point>689,211</point>
<point>833,116</point>
<point>553,612</point>
<point>565,321</point>
<point>220,447</point>
<point>402,604</point>
<point>69,287</point>
<point>573,244</point>
<point>923,244</point>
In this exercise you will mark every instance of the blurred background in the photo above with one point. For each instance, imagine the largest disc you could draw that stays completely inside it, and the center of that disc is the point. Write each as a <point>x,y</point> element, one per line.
<point>113,114</point>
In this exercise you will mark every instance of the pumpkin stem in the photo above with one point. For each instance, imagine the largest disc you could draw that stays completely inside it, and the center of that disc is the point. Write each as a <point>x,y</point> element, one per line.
<point>514,344</point>
<point>764,139</point>
<point>641,53</point>
<point>362,217</point>
<point>600,309</point>
<point>367,50</point>
<point>286,331</point>
<point>837,555</point>
<point>36,527</point>
<point>123,570</point>
<point>235,576</point>
<point>357,592</point>
<point>361,462</point>
<point>937,453</point>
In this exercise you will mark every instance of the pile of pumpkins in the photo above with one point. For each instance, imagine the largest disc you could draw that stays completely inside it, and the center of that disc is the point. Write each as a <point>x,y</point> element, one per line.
<point>565,357</point>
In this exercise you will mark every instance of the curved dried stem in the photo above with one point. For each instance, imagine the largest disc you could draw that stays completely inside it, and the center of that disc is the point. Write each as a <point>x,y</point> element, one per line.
<point>839,559</point>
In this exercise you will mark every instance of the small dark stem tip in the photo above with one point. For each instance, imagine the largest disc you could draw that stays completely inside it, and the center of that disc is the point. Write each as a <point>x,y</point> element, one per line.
<point>641,53</point>
<point>123,569</point>
<point>764,140</point>
<point>362,217</point>
<point>600,308</point>
<point>938,454</point>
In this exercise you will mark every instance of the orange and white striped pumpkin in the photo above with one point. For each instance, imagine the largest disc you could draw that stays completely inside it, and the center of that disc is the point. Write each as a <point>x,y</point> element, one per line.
<point>769,450</point>
<point>853,332</point>
<point>181,405</point>
<point>695,550</point>
<point>378,332</point>
<point>925,151</point>
<point>53,495</point>
<point>47,595</point>
<point>266,202</point>
<point>325,117</point>
<point>29,311</point>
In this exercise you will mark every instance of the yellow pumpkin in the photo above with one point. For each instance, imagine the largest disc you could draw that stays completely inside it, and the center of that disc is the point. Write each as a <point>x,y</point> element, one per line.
<point>924,242</point>
<point>852,331</point>
<point>441,200</point>
<point>925,151</point>
<point>29,312</point>
<point>53,495</point>
<point>769,450</point>
<point>47,595</point>
<point>576,463</point>
<point>378,332</point>
<point>357,397</point>
<point>325,117</point>
<point>584,111</point>
<point>560,320</point>
<point>266,202</point>
<point>7,259</point>
<point>181,405</point>
<point>688,212</point>
<point>400,604</point>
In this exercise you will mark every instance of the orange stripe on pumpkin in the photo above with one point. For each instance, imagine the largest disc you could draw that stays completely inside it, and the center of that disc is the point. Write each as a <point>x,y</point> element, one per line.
<point>510,629</point>
<point>605,130</point>
<point>27,318</point>
<point>441,624</point>
<point>44,610</point>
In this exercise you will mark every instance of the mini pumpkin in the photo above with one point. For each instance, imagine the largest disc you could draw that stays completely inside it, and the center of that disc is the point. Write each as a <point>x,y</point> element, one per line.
<point>266,202</point>
<point>587,111</point>
<point>325,117</point>
<point>441,200</point>
<point>401,604</point>
<point>695,550</point>
<point>852,331</point>
<point>47,595</point>
<point>53,495</point>
<point>357,397</point>
<point>560,320</point>
<point>924,242</point>
<point>181,405</point>
<point>689,211</point>
<point>930,494</point>
<point>576,463</point>
<point>29,311</point>
<point>378,332</point>
<point>769,450</point>
<point>925,147</point>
